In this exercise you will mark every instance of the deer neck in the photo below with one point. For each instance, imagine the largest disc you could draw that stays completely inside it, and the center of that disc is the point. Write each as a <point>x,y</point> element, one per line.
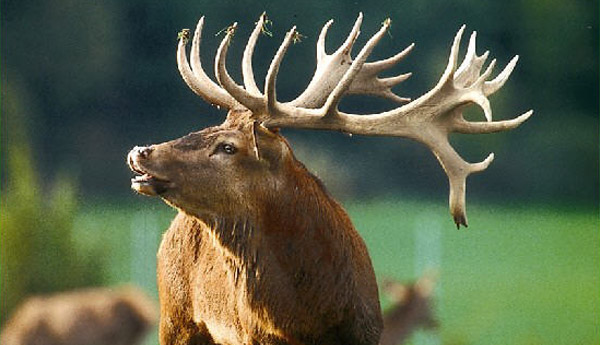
<point>301,221</point>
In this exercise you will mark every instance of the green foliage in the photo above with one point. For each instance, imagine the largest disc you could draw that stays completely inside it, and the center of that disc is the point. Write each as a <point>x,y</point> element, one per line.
<point>38,252</point>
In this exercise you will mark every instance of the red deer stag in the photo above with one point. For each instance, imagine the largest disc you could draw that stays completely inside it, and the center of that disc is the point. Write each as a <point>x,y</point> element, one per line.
<point>259,251</point>
<point>411,309</point>
<point>92,316</point>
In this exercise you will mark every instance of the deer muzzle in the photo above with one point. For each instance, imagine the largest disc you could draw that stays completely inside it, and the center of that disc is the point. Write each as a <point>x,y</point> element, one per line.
<point>145,181</point>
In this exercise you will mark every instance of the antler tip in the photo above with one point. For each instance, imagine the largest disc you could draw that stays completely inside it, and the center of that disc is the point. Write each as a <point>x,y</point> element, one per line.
<point>261,21</point>
<point>200,22</point>
<point>358,22</point>
<point>516,122</point>
<point>460,219</point>
<point>346,47</point>
<point>484,164</point>
<point>198,31</point>
<point>453,59</point>
<point>458,36</point>
<point>231,32</point>
<point>488,160</point>
<point>525,116</point>
<point>488,70</point>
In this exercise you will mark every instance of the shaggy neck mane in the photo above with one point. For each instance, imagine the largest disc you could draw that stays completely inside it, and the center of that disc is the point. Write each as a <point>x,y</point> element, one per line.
<point>300,209</point>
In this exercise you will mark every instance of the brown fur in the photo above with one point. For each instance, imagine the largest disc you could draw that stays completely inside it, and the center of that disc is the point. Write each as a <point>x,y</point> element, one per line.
<point>84,317</point>
<point>259,252</point>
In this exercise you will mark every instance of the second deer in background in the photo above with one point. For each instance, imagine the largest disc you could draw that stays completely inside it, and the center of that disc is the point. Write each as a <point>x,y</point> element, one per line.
<point>411,309</point>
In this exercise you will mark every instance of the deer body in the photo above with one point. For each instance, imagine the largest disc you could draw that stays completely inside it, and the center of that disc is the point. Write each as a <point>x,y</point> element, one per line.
<point>259,252</point>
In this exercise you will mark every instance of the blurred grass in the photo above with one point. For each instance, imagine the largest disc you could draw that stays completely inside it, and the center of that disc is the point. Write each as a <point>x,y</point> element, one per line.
<point>526,275</point>
<point>517,275</point>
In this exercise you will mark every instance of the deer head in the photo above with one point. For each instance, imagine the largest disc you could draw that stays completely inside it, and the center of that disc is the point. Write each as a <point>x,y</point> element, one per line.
<point>206,172</point>
<point>216,170</point>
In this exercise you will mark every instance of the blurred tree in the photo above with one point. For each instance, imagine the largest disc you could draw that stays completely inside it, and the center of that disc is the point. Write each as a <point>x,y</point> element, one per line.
<point>38,254</point>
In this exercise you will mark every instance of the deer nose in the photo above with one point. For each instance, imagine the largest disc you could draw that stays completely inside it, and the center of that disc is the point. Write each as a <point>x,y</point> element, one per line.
<point>143,152</point>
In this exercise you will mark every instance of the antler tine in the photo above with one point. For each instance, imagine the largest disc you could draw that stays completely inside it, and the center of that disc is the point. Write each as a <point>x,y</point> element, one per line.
<point>393,81</point>
<point>270,80</point>
<point>480,98</point>
<point>254,103</point>
<point>197,80</point>
<point>457,171</point>
<point>321,53</point>
<point>453,59</point>
<point>341,88</point>
<point>331,69</point>
<point>379,66</point>
<point>467,127</point>
<point>292,116</point>
<point>346,47</point>
<point>489,87</point>
<point>247,70</point>
<point>367,81</point>
<point>469,69</point>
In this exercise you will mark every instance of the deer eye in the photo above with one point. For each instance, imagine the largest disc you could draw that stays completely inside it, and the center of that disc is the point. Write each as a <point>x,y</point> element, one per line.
<point>228,148</point>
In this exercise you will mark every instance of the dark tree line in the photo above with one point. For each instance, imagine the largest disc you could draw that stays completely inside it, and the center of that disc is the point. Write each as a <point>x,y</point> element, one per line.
<point>94,78</point>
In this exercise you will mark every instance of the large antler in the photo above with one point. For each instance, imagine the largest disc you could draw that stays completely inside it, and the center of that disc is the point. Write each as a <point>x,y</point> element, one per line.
<point>428,119</point>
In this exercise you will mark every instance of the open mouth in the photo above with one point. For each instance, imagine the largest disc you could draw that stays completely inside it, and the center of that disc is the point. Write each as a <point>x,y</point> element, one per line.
<point>149,185</point>
<point>146,183</point>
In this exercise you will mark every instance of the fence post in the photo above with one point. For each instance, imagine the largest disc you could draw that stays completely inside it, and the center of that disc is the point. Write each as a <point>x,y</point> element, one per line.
<point>144,242</point>
<point>428,257</point>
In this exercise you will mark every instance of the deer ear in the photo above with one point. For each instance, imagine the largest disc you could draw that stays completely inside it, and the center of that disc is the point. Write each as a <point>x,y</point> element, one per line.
<point>255,129</point>
<point>267,144</point>
<point>398,293</point>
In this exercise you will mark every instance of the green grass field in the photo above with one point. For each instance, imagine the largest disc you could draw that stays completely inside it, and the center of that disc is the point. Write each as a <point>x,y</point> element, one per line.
<point>526,275</point>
